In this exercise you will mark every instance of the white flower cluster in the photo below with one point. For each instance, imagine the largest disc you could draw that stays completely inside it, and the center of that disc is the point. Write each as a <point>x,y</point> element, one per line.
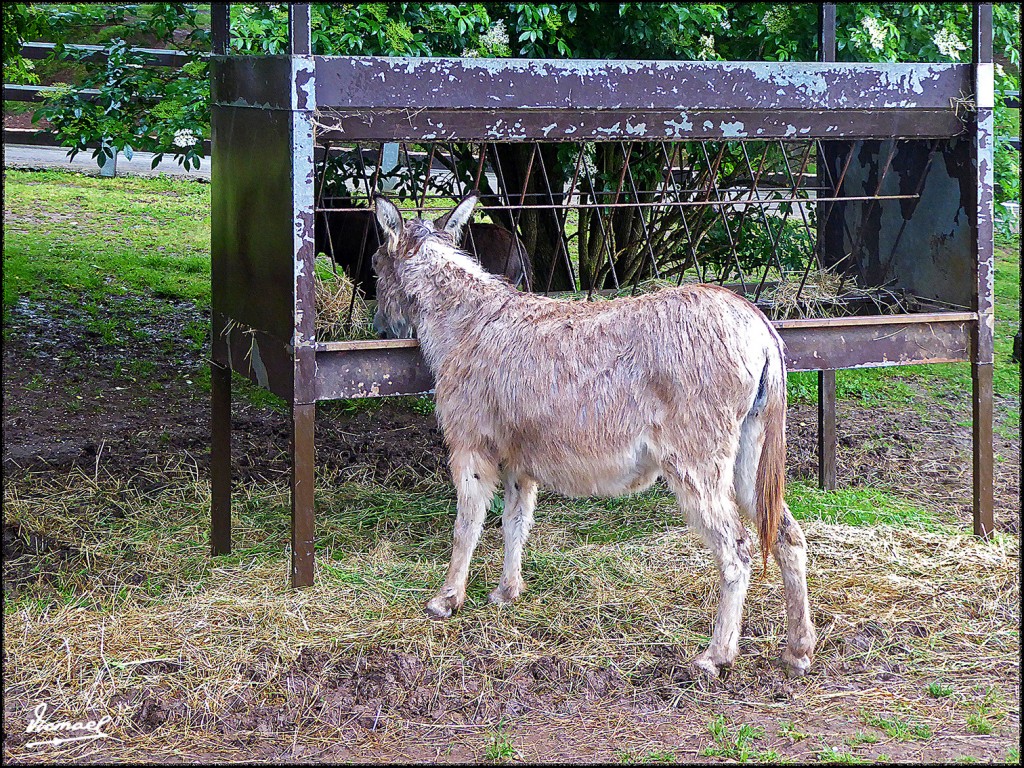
<point>707,46</point>
<point>725,24</point>
<point>876,34</point>
<point>495,37</point>
<point>948,43</point>
<point>470,53</point>
<point>184,138</point>
<point>776,19</point>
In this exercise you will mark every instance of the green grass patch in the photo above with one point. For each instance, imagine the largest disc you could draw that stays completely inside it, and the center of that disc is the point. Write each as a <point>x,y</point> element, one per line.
<point>989,712</point>
<point>500,748</point>
<point>19,107</point>
<point>788,730</point>
<point>855,506</point>
<point>654,757</point>
<point>868,386</point>
<point>737,745</point>
<point>68,231</point>
<point>862,737</point>
<point>833,755</point>
<point>897,727</point>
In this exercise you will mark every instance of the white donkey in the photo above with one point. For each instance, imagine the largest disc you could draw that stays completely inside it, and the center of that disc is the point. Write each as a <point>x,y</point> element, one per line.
<point>600,398</point>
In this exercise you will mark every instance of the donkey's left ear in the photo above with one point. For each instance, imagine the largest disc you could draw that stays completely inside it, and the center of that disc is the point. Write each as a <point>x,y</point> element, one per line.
<point>389,218</point>
<point>454,221</point>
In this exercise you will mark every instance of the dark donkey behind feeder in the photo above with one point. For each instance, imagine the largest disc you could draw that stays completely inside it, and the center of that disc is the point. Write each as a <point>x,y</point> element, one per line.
<point>352,237</point>
<point>601,398</point>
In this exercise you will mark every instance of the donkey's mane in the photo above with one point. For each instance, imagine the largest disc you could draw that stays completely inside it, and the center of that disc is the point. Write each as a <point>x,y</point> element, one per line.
<point>441,246</point>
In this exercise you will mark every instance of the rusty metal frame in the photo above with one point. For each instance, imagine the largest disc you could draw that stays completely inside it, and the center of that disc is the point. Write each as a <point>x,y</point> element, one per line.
<point>271,113</point>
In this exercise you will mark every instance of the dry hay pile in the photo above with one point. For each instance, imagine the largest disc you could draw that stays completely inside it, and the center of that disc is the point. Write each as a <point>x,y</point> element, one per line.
<point>825,293</point>
<point>226,647</point>
<point>339,314</point>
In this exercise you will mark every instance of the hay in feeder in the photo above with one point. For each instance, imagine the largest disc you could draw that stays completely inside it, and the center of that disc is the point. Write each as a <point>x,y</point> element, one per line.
<point>794,297</point>
<point>340,315</point>
<point>825,293</point>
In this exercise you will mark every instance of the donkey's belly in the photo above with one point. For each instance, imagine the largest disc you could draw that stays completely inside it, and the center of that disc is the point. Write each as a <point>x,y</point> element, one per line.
<point>610,474</point>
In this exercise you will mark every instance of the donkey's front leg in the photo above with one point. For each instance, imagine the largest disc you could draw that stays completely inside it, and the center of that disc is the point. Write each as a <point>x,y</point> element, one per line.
<point>516,521</point>
<point>475,481</point>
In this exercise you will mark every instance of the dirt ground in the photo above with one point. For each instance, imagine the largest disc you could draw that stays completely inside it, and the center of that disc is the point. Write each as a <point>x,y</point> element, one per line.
<point>120,421</point>
<point>69,400</point>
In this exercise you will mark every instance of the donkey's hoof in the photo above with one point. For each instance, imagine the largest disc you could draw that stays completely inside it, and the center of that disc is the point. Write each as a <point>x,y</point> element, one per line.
<point>795,666</point>
<point>442,606</point>
<point>705,665</point>
<point>504,595</point>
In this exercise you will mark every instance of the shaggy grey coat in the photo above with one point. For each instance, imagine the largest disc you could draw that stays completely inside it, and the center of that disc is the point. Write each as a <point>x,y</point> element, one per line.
<point>601,398</point>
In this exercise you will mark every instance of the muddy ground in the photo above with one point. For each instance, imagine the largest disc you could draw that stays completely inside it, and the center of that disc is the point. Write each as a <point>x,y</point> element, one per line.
<point>135,401</point>
<point>72,399</point>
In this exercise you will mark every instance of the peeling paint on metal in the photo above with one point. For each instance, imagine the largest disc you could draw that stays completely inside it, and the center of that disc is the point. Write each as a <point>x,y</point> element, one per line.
<point>985,79</point>
<point>258,368</point>
<point>732,130</point>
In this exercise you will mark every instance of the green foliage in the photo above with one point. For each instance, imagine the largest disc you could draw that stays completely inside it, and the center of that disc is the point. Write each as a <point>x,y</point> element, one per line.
<point>830,754</point>
<point>20,22</point>
<point>138,107</point>
<point>680,31</point>
<point>500,748</point>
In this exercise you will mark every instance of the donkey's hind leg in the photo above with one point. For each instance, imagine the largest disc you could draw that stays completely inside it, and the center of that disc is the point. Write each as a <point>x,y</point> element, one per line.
<point>516,521</point>
<point>711,511</point>
<point>475,479</point>
<point>789,550</point>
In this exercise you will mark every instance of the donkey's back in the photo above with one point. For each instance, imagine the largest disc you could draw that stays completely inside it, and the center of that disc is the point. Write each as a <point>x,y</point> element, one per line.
<point>591,398</point>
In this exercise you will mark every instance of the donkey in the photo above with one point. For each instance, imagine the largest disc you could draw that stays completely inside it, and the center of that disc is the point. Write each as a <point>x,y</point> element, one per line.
<point>601,398</point>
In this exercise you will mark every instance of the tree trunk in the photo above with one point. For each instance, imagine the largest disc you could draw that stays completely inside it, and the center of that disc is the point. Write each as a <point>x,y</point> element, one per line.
<point>539,229</point>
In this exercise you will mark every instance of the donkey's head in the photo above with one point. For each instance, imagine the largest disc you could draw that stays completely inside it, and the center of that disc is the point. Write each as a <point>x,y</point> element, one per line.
<point>395,316</point>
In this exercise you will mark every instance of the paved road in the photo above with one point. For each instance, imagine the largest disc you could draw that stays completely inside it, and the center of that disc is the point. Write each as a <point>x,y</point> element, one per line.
<point>24,156</point>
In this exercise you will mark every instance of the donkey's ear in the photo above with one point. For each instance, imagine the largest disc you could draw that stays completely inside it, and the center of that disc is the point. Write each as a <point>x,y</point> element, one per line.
<point>454,221</point>
<point>389,218</point>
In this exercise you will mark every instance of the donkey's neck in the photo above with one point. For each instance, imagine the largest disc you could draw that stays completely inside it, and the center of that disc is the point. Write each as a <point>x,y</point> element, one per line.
<point>453,295</point>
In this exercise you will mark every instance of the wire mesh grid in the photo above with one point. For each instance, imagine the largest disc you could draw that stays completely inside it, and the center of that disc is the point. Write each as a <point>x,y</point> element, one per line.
<point>618,218</point>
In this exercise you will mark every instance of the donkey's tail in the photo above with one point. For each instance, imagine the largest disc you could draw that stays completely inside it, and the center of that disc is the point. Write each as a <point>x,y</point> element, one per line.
<point>770,481</point>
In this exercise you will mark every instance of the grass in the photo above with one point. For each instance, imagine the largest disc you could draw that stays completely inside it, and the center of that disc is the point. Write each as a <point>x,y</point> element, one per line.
<point>500,748</point>
<point>830,754</point>
<point>789,731</point>
<point>855,506</point>
<point>19,107</point>
<point>862,737</point>
<point>988,713</point>
<point>57,241</point>
<point>898,727</point>
<point>653,757</point>
<point>737,745</point>
<point>136,572</point>
<point>939,690</point>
